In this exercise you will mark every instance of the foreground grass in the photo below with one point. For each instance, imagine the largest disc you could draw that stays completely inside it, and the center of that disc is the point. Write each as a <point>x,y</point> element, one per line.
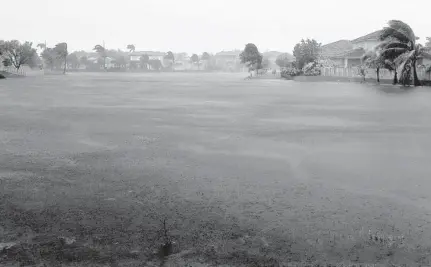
<point>57,222</point>
<point>243,173</point>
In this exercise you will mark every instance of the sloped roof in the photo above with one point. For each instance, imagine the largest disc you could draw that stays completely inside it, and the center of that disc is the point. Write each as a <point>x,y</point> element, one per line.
<point>149,53</point>
<point>355,53</point>
<point>371,36</point>
<point>335,49</point>
<point>229,53</point>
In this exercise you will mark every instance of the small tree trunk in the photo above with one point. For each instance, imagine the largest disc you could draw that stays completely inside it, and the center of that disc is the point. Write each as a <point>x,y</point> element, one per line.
<point>378,75</point>
<point>416,81</point>
<point>65,65</point>
<point>395,81</point>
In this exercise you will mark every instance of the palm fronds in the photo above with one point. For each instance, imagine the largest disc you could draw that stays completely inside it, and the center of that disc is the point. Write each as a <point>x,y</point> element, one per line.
<point>392,53</point>
<point>403,29</point>
<point>396,45</point>
<point>388,32</point>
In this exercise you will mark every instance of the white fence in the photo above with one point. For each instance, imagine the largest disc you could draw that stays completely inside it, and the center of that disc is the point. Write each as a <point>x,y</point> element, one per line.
<point>13,70</point>
<point>370,73</point>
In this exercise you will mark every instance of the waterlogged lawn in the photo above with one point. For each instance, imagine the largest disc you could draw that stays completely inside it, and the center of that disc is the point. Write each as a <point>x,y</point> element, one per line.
<point>242,172</point>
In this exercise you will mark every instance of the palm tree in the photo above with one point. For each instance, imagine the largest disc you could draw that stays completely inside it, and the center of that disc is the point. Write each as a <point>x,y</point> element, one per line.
<point>400,44</point>
<point>195,59</point>
<point>374,59</point>
<point>205,56</point>
<point>61,50</point>
<point>144,60</point>
<point>84,61</point>
<point>131,48</point>
<point>102,52</point>
<point>170,56</point>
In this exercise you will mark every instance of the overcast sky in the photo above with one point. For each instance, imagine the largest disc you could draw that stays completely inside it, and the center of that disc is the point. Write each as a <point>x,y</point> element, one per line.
<point>195,26</point>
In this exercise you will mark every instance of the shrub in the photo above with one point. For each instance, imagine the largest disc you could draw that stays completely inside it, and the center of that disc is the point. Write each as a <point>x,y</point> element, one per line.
<point>290,72</point>
<point>428,70</point>
<point>312,69</point>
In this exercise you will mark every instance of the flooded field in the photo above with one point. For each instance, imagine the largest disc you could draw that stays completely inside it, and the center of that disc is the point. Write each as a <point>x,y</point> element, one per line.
<point>242,172</point>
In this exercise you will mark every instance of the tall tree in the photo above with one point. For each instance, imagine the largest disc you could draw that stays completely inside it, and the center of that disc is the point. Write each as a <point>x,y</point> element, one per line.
<point>49,57</point>
<point>131,48</point>
<point>170,56</point>
<point>83,60</point>
<point>121,61</point>
<point>251,56</point>
<point>375,60</point>
<point>400,43</point>
<point>428,43</point>
<point>102,53</point>
<point>73,61</point>
<point>195,59</point>
<point>305,52</point>
<point>61,50</point>
<point>206,58</point>
<point>18,53</point>
<point>144,61</point>
<point>155,64</point>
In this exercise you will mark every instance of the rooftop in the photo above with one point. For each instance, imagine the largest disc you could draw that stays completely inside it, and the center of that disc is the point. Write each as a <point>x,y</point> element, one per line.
<point>371,36</point>
<point>229,53</point>
<point>354,53</point>
<point>336,48</point>
<point>150,53</point>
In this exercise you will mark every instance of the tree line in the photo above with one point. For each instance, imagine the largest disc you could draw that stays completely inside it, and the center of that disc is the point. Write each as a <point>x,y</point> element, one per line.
<point>16,54</point>
<point>398,51</point>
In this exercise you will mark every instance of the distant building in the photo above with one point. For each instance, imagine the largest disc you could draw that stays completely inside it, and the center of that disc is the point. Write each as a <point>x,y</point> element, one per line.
<point>182,62</point>
<point>134,57</point>
<point>229,61</point>
<point>345,53</point>
<point>98,61</point>
<point>425,61</point>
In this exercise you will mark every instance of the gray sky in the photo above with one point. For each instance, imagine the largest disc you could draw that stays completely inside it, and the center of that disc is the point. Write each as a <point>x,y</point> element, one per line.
<point>195,26</point>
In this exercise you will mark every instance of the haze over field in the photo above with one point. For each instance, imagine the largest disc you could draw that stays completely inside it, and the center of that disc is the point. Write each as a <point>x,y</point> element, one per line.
<point>258,171</point>
<point>195,26</point>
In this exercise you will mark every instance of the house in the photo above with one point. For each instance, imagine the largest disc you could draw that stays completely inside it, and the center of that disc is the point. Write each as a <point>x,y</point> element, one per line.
<point>425,61</point>
<point>335,51</point>
<point>97,62</point>
<point>135,56</point>
<point>182,62</point>
<point>229,61</point>
<point>345,53</point>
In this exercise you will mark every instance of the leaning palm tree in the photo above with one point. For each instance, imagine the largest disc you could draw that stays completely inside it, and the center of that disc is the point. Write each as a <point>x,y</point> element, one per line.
<point>131,48</point>
<point>400,44</point>
<point>374,59</point>
<point>102,52</point>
